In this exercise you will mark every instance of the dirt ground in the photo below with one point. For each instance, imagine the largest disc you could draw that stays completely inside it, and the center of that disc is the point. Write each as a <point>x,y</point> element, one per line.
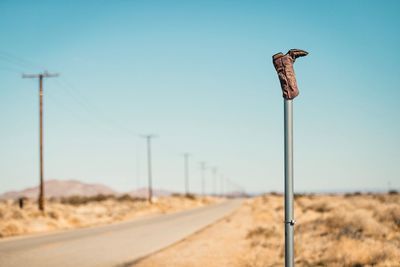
<point>349,230</point>
<point>76,212</point>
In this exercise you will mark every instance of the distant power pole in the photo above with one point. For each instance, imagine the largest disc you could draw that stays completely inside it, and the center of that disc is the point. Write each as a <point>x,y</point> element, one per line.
<point>222,185</point>
<point>40,76</point>
<point>227,187</point>
<point>186,172</point>
<point>214,177</point>
<point>150,189</point>
<point>138,174</point>
<point>202,169</point>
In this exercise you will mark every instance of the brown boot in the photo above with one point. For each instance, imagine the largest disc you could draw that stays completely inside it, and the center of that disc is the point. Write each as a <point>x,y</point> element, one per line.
<point>284,67</point>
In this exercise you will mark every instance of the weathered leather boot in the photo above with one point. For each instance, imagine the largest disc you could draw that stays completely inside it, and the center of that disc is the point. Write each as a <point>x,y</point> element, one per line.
<point>284,67</point>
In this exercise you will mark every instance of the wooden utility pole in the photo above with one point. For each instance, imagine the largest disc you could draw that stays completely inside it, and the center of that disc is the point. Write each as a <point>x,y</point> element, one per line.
<point>148,138</point>
<point>222,185</point>
<point>186,172</point>
<point>40,76</point>
<point>214,177</point>
<point>203,185</point>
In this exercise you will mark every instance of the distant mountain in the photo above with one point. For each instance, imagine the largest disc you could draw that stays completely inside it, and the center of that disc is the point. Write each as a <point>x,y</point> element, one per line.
<point>142,193</point>
<point>61,188</point>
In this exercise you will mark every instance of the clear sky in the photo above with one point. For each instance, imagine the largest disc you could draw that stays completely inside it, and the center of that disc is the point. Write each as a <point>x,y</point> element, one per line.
<point>199,75</point>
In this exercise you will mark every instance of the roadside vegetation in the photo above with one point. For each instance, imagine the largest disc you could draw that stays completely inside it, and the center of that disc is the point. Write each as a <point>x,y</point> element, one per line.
<point>80,211</point>
<point>352,230</point>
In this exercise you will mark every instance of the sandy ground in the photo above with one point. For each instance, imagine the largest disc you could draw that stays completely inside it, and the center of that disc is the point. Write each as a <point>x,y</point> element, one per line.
<point>80,212</point>
<point>349,231</point>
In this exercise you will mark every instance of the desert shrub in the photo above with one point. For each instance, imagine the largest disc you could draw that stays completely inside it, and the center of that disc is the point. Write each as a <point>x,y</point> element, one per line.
<point>100,197</point>
<point>357,230</point>
<point>73,200</point>
<point>74,220</point>
<point>261,231</point>
<point>53,215</point>
<point>351,253</point>
<point>190,196</point>
<point>301,195</point>
<point>11,228</point>
<point>393,192</point>
<point>353,194</point>
<point>17,214</point>
<point>81,200</point>
<point>279,208</point>
<point>319,206</point>
<point>261,236</point>
<point>356,224</point>
<point>127,197</point>
<point>273,193</point>
<point>264,199</point>
<point>53,199</point>
<point>389,215</point>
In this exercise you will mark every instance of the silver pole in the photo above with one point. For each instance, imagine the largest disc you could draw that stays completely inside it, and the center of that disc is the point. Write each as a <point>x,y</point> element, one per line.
<point>284,67</point>
<point>289,214</point>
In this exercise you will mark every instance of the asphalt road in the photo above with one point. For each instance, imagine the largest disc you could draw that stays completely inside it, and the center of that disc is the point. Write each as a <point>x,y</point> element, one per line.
<point>112,245</point>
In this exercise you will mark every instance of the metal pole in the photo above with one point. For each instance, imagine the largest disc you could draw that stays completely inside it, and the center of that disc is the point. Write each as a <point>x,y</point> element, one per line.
<point>186,156</point>
<point>150,190</point>
<point>289,214</point>
<point>283,65</point>
<point>41,187</point>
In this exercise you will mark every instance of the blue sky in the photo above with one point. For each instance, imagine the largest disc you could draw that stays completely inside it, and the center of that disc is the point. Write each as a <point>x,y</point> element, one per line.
<point>199,74</point>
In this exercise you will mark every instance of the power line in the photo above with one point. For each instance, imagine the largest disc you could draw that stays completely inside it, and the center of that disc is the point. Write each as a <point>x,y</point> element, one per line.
<point>72,113</point>
<point>11,69</point>
<point>8,57</point>
<point>92,110</point>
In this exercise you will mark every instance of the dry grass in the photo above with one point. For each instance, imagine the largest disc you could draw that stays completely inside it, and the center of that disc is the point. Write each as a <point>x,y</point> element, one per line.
<point>337,231</point>
<point>353,230</point>
<point>75,212</point>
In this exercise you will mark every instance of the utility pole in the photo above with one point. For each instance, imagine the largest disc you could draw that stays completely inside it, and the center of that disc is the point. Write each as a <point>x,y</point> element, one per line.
<point>202,169</point>
<point>138,174</point>
<point>186,172</point>
<point>222,185</point>
<point>214,173</point>
<point>148,138</point>
<point>228,187</point>
<point>40,76</point>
